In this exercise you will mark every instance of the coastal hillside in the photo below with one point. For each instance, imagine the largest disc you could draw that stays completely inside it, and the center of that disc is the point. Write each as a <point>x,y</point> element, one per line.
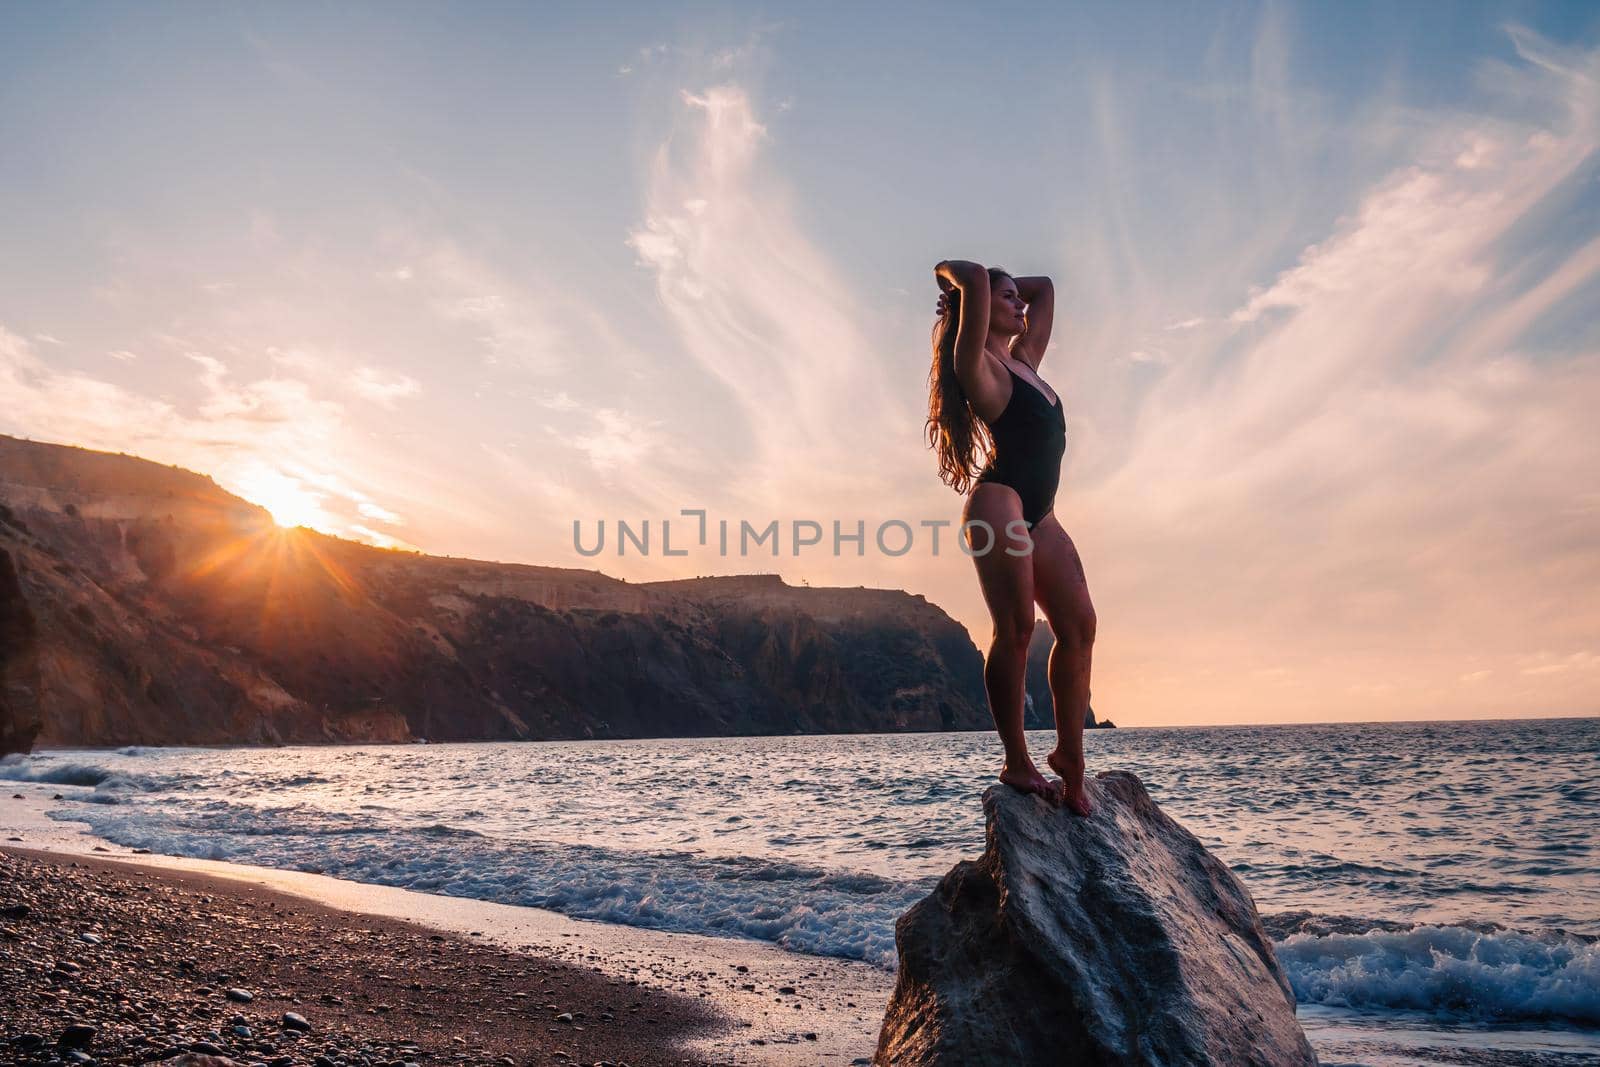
<point>143,604</point>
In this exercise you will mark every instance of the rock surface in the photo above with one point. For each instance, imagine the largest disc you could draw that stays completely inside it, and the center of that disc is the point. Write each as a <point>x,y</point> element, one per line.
<point>1115,939</point>
<point>165,610</point>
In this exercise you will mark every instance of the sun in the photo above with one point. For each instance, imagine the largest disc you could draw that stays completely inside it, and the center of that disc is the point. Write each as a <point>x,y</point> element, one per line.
<point>288,500</point>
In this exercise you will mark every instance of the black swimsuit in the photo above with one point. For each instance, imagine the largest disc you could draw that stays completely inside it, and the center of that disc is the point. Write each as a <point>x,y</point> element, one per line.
<point>1030,437</point>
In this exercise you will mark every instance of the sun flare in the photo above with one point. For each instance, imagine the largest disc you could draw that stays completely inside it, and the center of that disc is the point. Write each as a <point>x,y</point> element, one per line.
<point>287,499</point>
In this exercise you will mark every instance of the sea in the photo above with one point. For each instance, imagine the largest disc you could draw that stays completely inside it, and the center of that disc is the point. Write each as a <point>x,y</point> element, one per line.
<point>1432,888</point>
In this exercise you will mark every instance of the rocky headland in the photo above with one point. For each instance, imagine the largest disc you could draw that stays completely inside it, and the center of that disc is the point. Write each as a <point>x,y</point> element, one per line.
<point>1115,939</point>
<point>143,604</point>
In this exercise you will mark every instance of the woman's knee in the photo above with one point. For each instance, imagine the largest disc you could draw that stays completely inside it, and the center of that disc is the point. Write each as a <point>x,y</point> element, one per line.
<point>1077,629</point>
<point>1014,631</point>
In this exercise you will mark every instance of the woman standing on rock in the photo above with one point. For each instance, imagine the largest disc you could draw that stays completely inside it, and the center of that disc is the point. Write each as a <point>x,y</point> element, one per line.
<point>991,335</point>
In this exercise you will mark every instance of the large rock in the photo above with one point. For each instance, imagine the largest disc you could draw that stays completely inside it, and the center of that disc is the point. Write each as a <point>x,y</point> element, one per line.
<point>1112,939</point>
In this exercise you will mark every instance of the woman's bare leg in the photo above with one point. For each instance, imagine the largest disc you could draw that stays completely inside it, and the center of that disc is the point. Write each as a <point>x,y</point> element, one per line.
<point>1007,584</point>
<point>1063,592</point>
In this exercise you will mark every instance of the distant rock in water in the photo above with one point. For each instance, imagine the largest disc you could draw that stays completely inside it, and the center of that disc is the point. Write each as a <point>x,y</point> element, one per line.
<point>1115,939</point>
<point>165,610</point>
<point>1040,713</point>
<point>19,662</point>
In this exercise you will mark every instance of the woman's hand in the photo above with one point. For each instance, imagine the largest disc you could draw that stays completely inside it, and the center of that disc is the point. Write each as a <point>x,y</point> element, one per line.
<point>957,273</point>
<point>946,301</point>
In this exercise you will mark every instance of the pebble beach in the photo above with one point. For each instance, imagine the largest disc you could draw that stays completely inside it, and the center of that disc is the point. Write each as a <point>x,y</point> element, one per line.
<point>116,963</point>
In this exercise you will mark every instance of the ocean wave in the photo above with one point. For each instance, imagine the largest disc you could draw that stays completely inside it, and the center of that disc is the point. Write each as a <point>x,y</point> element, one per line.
<point>91,775</point>
<point>441,830</point>
<point>1480,972</point>
<point>801,908</point>
<point>1502,976</point>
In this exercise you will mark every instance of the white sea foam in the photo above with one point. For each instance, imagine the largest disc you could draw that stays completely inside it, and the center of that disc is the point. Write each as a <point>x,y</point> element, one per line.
<point>804,909</point>
<point>1502,976</point>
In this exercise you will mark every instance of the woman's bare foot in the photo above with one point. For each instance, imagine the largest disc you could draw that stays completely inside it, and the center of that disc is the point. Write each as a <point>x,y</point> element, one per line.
<point>1027,779</point>
<point>1074,792</point>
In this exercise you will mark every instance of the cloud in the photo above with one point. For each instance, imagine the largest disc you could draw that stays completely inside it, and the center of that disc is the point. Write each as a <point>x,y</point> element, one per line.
<point>762,312</point>
<point>558,401</point>
<point>1544,662</point>
<point>1371,471</point>
<point>381,539</point>
<point>383,389</point>
<point>268,400</point>
<point>371,510</point>
<point>616,440</point>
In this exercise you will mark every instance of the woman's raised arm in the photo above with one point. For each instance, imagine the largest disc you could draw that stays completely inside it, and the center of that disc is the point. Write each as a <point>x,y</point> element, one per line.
<point>976,372</point>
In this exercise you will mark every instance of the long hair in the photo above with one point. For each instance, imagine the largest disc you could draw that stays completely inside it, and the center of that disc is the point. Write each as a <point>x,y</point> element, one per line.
<point>955,433</point>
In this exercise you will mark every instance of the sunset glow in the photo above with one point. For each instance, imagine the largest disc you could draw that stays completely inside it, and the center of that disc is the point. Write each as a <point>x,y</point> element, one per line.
<point>287,499</point>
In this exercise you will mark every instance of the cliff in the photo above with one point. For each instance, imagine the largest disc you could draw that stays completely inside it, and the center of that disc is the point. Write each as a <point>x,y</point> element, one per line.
<point>19,665</point>
<point>164,610</point>
<point>1114,940</point>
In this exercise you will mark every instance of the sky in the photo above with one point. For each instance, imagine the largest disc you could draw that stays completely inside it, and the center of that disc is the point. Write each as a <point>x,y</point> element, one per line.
<point>455,278</point>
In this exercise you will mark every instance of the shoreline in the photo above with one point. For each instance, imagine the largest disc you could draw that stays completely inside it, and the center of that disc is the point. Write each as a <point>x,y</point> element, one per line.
<point>839,1002</point>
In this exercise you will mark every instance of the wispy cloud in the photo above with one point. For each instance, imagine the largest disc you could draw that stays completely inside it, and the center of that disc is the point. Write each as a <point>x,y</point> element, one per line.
<point>761,310</point>
<point>383,388</point>
<point>616,440</point>
<point>381,539</point>
<point>1379,476</point>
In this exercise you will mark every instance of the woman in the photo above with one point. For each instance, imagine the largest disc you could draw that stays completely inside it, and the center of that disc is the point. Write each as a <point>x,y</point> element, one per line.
<point>991,335</point>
